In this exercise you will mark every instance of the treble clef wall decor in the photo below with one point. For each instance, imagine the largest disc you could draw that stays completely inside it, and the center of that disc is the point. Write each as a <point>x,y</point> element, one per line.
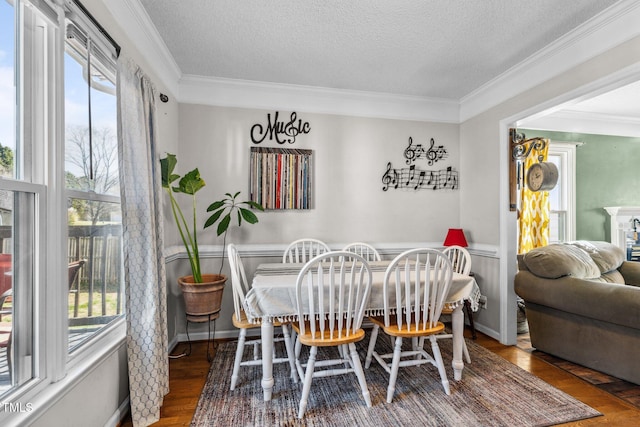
<point>432,154</point>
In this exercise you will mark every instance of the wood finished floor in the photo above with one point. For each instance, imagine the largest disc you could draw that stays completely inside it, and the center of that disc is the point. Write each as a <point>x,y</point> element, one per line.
<point>620,388</point>
<point>188,375</point>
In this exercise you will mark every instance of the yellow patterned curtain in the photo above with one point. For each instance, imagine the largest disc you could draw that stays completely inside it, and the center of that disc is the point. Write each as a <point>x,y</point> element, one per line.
<point>533,220</point>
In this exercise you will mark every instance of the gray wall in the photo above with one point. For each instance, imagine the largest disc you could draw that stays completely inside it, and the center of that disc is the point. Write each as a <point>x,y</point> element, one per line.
<point>606,175</point>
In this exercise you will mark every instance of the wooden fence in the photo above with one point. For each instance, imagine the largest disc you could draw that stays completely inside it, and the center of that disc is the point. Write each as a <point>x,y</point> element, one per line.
<point>100,247</point>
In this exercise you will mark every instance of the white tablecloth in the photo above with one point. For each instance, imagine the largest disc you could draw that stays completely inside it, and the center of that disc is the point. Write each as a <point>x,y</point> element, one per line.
<point>273,293</point>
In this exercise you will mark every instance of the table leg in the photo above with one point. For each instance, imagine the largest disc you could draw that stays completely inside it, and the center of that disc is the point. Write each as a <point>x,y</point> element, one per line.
<point>457,326</point>
<point>267,359</point>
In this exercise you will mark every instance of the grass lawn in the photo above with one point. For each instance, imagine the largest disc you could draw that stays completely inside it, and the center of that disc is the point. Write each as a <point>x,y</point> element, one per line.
<point>111,304</point>
<point>111,300</point>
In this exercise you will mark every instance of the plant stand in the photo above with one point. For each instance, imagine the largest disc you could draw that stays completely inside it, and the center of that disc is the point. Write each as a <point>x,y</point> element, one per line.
<point>211,338</point>
<point>203,302</point>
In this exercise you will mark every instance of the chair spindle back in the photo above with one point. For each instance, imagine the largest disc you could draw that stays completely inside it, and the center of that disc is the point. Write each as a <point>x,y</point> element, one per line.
<point>303,250</point>
<point>416,284</point>
<point>333,288</point>
<point>239,282</point>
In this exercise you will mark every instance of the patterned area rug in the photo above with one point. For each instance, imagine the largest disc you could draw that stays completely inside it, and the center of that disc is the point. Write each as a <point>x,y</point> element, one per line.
<point>492,392</point>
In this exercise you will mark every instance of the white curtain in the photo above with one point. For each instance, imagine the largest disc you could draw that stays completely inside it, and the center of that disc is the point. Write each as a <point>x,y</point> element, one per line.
<point>144,267</point>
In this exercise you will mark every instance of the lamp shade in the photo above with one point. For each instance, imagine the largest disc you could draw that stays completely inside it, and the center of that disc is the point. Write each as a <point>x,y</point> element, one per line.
<point>455,236</point>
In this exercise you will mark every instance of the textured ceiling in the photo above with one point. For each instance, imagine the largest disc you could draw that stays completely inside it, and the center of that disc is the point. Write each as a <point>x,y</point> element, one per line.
<point>430,48</point>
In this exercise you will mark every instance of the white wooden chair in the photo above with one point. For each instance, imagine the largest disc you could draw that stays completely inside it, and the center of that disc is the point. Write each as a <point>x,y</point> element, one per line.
<point>461,263</point>
<point>332,292</point>
<point>415,287</point>
<point>303,250</point>
<point>239,319</point>
<point>460,259</point>
<point>365,250</point>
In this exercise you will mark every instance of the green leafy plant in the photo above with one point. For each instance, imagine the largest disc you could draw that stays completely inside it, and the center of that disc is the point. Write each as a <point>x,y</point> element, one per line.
<point>223,211</point>
<point>188,184</point>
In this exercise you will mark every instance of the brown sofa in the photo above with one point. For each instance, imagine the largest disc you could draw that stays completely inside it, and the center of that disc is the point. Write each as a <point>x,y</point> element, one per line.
<point>583,305</point>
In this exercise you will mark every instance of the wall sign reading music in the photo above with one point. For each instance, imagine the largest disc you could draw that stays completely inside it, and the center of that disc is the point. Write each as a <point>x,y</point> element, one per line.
<point>279,131</point>
<point>421,179</point>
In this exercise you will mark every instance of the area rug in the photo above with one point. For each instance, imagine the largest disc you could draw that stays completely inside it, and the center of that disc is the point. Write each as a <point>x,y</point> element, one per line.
<point>492,392</point>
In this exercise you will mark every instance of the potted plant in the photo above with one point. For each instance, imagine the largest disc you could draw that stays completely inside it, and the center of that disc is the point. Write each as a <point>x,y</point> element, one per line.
<point>202,292</point>
<point>230,204</point>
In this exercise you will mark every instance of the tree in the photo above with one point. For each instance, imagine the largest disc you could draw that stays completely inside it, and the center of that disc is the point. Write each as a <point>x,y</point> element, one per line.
<point>92,168</point>
<point>6,161</point>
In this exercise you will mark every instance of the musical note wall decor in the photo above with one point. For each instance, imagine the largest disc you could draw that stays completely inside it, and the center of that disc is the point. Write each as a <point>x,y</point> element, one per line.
<point>419,179</point>
<point>278,130</point>
<point>414,178</point>
<point>281,178</point>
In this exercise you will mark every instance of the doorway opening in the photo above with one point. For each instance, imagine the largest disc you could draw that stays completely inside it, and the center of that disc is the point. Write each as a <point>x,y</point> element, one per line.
<point>559,116</point>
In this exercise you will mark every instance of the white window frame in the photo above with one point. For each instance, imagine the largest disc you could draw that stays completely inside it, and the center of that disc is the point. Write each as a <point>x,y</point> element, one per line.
<point>40,103</point>
<point>567,170</point>
<point>82,357</point>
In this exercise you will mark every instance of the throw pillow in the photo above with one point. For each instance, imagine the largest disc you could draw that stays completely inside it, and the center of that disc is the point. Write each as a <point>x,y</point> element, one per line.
<point>558,260</point>
<point>608,257</point>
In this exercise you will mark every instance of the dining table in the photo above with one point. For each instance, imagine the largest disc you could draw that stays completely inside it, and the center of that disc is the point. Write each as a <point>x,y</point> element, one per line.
<point>272,297</point>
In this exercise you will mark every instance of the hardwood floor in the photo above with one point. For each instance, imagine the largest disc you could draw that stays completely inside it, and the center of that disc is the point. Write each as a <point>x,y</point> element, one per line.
<point>188,375</point>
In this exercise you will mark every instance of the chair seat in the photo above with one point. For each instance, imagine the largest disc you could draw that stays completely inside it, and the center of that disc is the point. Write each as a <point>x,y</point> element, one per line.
<point>326,339</point>
<point>393,329</point>
<point>245,323</point>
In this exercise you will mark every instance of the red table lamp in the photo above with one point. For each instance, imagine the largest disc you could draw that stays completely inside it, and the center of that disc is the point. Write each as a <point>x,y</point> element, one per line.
<point>455,236</point>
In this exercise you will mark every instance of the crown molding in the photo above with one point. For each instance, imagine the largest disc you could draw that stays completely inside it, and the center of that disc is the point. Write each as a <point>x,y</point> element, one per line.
<point>583,122</point>
<point>140,31</point>
<point>614,26</point>
<point>262,95</point>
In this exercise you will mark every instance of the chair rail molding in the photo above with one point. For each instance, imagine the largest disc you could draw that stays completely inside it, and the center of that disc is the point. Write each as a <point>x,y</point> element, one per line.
<point>268,250</point>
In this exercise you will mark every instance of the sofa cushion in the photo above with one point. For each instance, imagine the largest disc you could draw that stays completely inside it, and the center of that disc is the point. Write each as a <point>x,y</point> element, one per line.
<point>608,257</point>
<point>558,260</point>
<point>613,276</point>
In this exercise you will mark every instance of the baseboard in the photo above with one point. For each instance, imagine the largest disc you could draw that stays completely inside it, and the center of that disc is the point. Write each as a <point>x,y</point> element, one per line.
<point>118,416</point>
<point>488,331</point>
<point>255,332</point>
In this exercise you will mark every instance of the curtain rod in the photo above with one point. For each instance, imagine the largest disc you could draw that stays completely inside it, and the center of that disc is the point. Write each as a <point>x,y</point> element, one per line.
<point>100,27</point>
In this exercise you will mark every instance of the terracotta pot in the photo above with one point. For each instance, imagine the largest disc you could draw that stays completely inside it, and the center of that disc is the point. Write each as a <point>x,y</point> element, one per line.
<point>202,301</point>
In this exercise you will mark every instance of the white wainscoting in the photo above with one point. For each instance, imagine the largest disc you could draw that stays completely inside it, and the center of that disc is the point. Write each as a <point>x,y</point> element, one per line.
<point>485,267</point>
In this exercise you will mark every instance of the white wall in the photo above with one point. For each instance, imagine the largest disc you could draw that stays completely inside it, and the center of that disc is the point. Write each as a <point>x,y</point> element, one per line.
<point>97,400</point>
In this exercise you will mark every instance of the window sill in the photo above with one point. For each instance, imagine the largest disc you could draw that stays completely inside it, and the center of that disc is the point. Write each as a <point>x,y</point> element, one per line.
<point>35,402</point>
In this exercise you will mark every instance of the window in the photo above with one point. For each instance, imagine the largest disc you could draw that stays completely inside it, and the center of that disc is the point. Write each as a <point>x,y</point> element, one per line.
<point>562,197</point>
<point>25,96</point>
<point>59,193</point>
<point>7,89</point>
<point>92,183</point>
